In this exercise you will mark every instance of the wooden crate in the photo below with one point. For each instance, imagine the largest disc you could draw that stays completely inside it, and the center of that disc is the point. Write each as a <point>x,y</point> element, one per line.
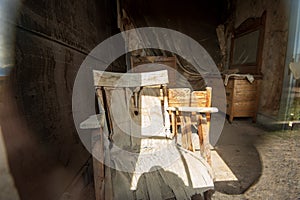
<point>242,98</point>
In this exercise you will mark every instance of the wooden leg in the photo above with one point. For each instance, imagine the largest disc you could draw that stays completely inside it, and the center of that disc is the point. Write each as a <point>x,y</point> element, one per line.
<point>174,125</point>
<point>188,129</point>
<point>230,118</point>
<point>203,131</point>
<point>254,118</point>
<point>184,142</point>
<point>98,167</point>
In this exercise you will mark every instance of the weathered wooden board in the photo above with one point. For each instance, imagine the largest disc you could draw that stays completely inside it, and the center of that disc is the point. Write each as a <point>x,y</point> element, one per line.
<point>198,99</point>
<point>138,64</point>
<point>152,119</point>
<point>179,97</point>
<point>134,156</point>
<point>111,79</point>
<point>195,109</point>
<point>246,86</point>
<point>242,98</point>
<point>98,166</point>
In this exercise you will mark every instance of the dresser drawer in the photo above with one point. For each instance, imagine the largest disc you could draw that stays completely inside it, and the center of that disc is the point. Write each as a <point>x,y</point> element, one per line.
<point>244,109</point>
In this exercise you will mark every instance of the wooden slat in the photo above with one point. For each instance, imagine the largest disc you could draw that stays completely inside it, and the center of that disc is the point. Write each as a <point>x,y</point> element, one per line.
<point>106,191</point>
<point>166,113</point>
<point>179,97</point>
<point>158,63</point>
<point>135,61</point>
<point>198,99</point>
<point>186,131</point>
<point>98,167</point>
<point>244,105</point>
<point>110,79</point>
<point>93,122</point>
<point>246,96</point>
<point>242,88</point>
<point>119,117</point>
<point>203,131</point>
<point>184,139</point>
<point>208,114</point>
<point>243,113</point>
<point>153,116</point>
<point>195,109</point>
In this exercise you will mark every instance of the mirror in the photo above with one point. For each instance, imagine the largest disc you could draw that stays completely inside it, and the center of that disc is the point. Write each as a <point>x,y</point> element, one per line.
<point>246,46</point>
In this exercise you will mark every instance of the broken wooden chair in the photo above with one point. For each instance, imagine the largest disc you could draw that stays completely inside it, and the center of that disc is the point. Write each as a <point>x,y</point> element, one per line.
<point>187,109</point>
<point>135,155</point>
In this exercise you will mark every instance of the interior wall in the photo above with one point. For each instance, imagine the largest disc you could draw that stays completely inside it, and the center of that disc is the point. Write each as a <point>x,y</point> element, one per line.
<point>197,19</point>
<point>274,50</point>
<point>52,39</point>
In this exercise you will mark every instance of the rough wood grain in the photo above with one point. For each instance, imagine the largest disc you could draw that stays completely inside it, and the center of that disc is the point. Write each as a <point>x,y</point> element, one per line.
<point>178,176</point>
<point>111,79</point>
<point>98,167</point>
<point>242,98</point>
<point>204,139</point>
<point>157,63</point>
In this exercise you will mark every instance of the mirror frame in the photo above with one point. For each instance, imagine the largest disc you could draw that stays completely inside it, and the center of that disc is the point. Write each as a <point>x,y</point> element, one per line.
<point>249,26</point>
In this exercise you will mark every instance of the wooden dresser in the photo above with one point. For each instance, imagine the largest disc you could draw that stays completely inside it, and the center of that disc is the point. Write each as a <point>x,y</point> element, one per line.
<point>246,50</point>
<point>242,97</point>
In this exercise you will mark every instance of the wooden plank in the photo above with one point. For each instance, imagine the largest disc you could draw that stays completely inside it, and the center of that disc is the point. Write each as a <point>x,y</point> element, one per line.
<point>246,96</point>
<point>184,140</point>
<point>208,114</point>
<point>244,105</point>
<point>153,116</point>
<point>243,88</point>
<point>231,116</point>
<point>198,99</point>
<point>243,113</point>
<point>245,81</point>
<point>159,63</point>
<point>203,131</point>
<point>103,189</point>
<point>93,122</point>
<point>242,98</point>
<point>119,116</point>
<point>108,185</point>
<point>98,167</point>
<point>174,124</point>
<point>179,97</point>
<point>188,124</point>
<point>186,131</point>
<point>111,79</point>
<point>166,113</point>
<point>135,61</point>
<point>194,109</point>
